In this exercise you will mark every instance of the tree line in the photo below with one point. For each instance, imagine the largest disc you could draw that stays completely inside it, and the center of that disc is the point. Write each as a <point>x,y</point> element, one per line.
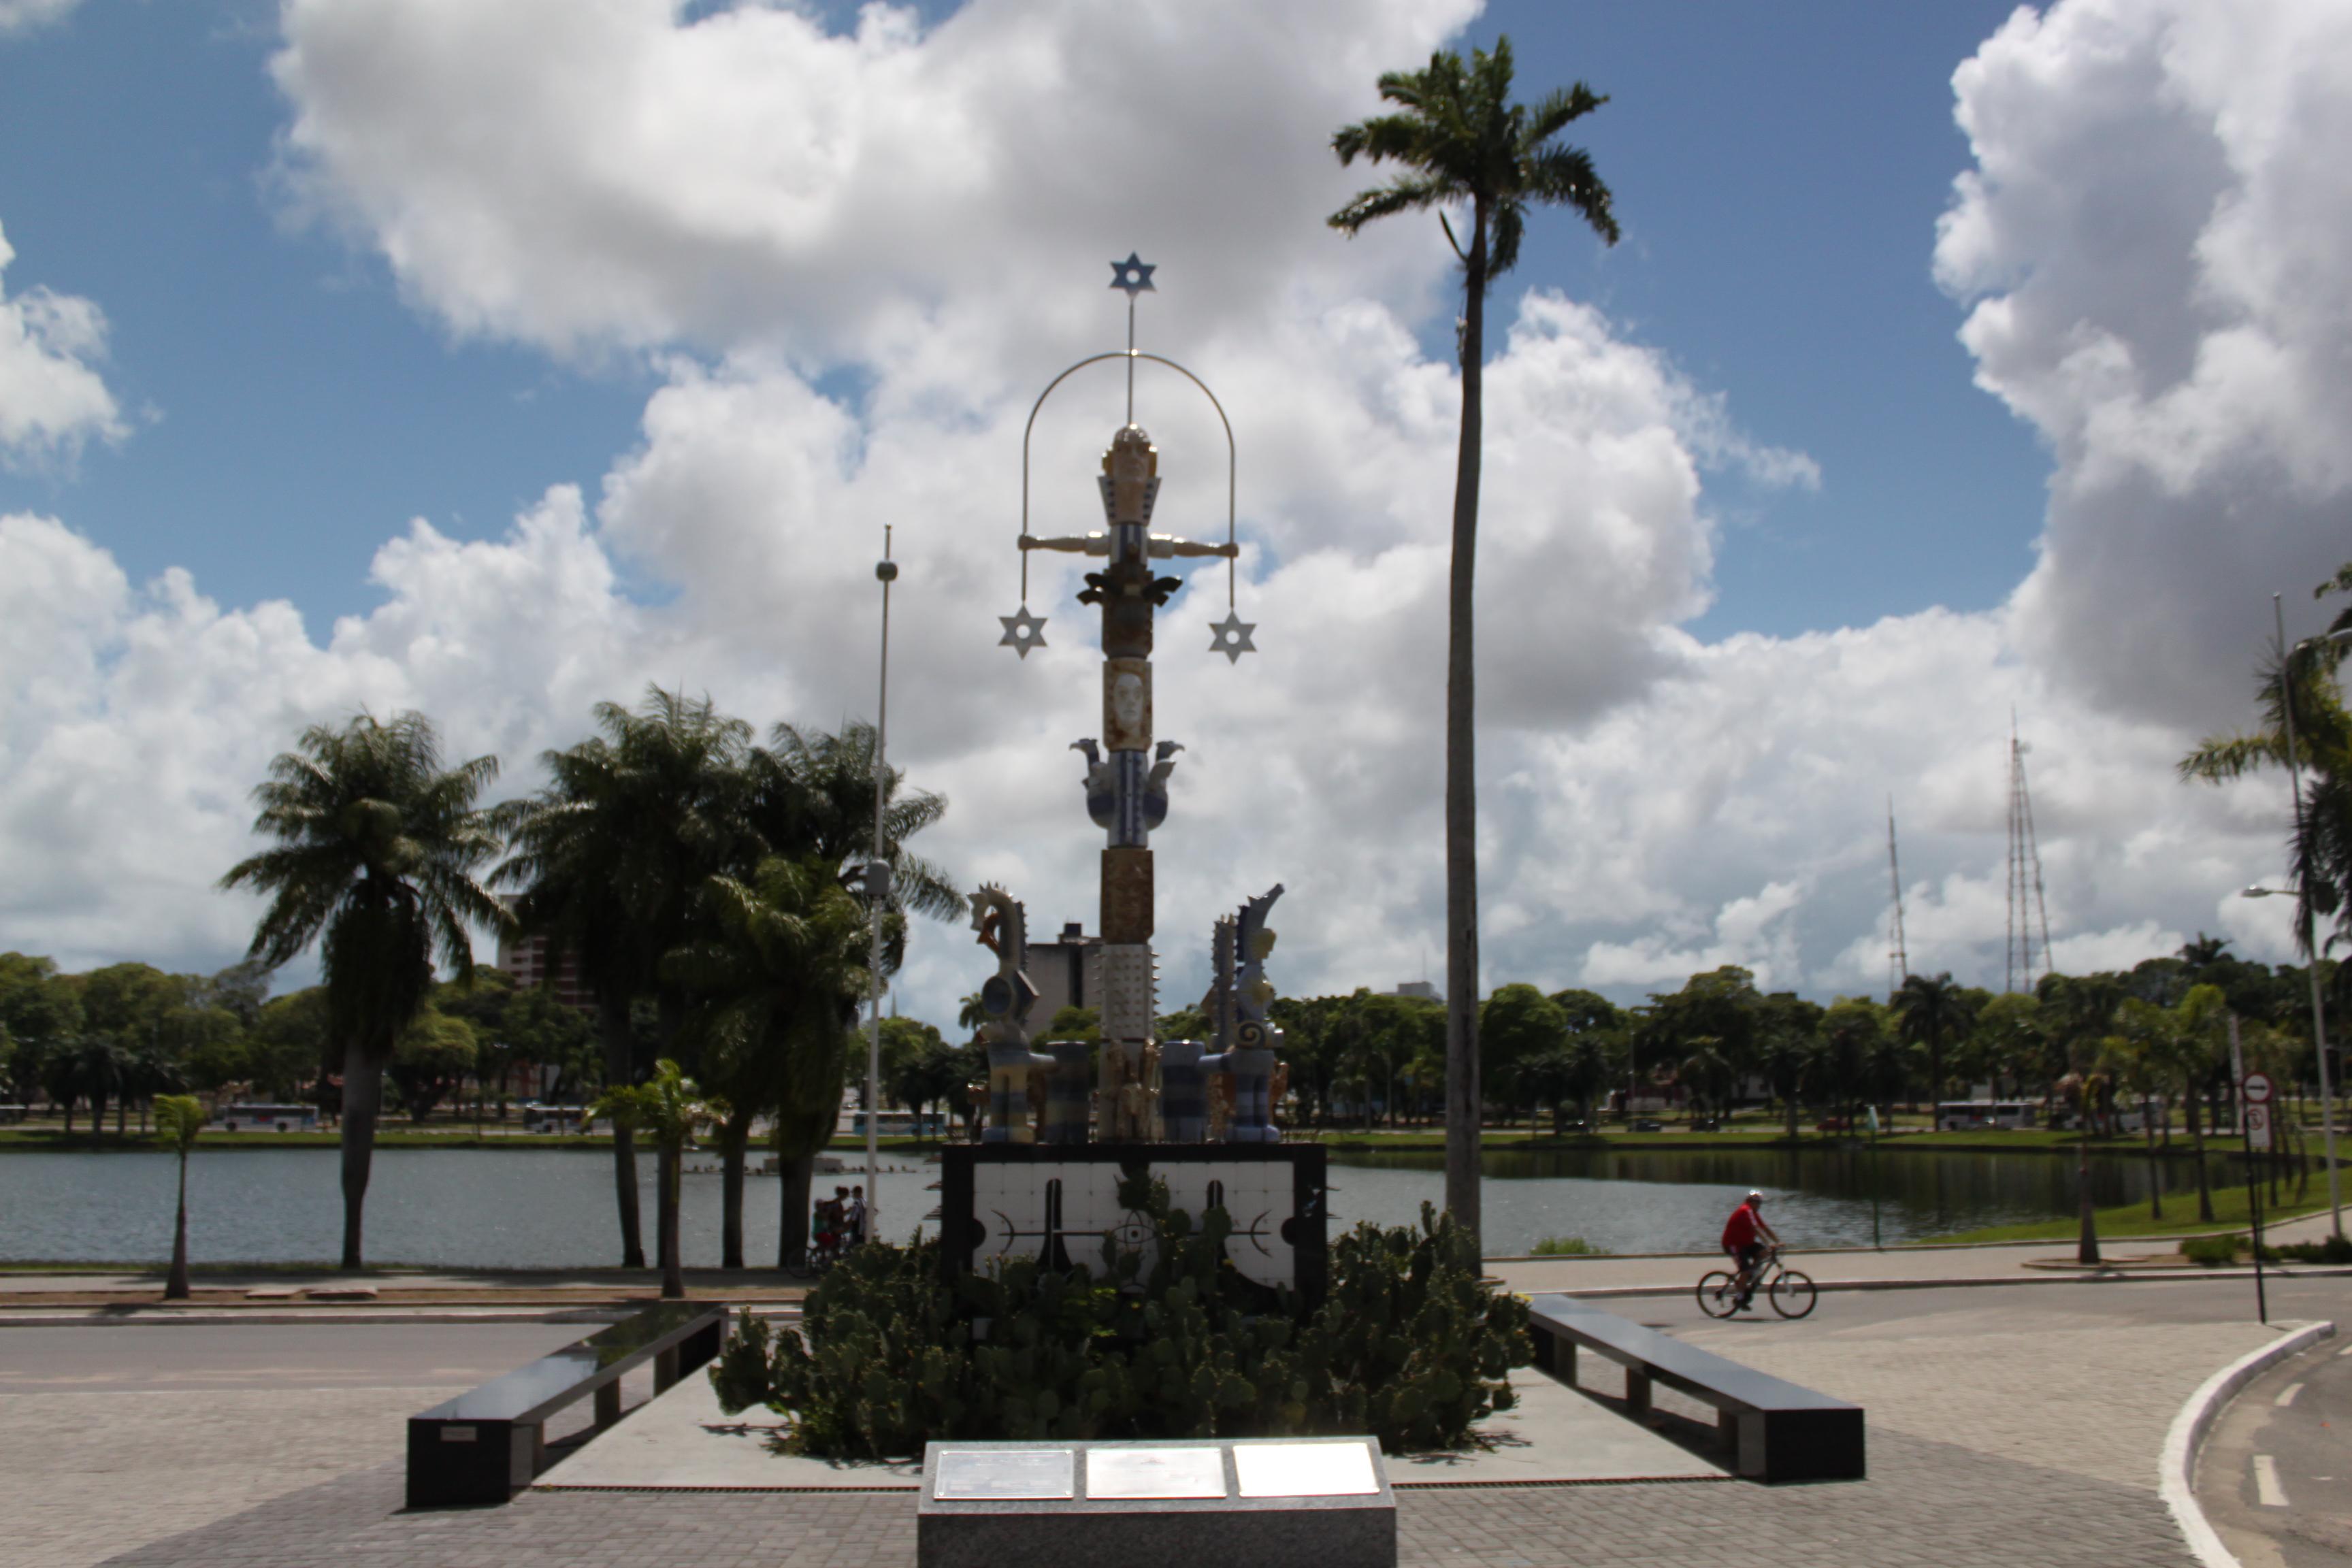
<point>706,886</point>
<point>2155,1037</point>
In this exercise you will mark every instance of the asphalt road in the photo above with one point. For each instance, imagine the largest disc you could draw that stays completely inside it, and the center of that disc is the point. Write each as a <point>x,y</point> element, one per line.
<point>2275,1474</point>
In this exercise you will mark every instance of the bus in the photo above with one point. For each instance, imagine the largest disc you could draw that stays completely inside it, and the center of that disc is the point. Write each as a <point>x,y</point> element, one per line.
<point>258,1117</point>
<point>900,1124</point>
<point>1985,1115</point>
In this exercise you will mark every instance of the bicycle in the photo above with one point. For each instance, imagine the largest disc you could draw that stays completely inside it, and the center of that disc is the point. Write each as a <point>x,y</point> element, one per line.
<point>1790,1292</point>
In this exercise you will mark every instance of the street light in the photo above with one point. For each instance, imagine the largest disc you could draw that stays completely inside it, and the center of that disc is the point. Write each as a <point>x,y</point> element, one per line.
<point>877,893</point>
<point>2310,946</point>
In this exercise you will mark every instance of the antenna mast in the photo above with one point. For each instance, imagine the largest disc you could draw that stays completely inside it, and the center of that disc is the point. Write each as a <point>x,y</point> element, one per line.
<point>1899,954</point>
<point>2027,905</point>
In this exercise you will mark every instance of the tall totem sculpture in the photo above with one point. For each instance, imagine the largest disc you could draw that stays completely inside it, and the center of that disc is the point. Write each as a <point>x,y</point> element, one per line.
<point>1128,769</point>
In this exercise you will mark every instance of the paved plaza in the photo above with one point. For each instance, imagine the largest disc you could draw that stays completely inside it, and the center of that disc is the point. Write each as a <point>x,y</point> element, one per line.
<point>2015,1424</point>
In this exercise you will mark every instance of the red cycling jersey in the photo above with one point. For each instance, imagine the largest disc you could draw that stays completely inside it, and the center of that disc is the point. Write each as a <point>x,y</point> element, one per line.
<point>1740,1229</point>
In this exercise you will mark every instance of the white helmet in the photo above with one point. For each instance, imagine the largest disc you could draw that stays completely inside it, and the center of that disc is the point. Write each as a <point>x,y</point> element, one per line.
<point>1755,1197</point>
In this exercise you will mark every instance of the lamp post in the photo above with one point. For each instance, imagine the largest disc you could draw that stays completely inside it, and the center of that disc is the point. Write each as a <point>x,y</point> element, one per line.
<point>878,894</point>
<point>2310,946</point>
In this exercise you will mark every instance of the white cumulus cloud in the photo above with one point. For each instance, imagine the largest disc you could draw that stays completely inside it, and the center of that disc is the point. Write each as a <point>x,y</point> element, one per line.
<point>51,400</point>
<point>23,16</point>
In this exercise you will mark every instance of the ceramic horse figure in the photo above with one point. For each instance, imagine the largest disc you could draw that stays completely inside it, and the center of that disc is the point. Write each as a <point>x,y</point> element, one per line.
<point>1243,994</point>
<point>1006,996</point>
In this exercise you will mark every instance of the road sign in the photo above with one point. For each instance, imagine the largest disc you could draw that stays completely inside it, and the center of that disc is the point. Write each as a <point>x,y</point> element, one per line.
<point>2258,1088</point>
<point>2257,1128</point>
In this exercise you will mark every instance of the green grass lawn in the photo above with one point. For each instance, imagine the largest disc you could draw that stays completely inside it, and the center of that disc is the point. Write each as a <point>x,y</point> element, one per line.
<point>2179,1217</point>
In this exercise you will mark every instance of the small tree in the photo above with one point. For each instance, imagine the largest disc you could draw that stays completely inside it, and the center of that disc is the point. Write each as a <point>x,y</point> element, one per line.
<point>179,1121</point>
<point>669,1108</point>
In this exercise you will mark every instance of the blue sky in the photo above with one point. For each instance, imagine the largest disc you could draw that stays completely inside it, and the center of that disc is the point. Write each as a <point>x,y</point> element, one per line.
<point>654,315</point>
<point>1778,172</point>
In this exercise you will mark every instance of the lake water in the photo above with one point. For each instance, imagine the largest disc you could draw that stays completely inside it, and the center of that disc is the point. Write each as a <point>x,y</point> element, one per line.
<point>553,1207</point>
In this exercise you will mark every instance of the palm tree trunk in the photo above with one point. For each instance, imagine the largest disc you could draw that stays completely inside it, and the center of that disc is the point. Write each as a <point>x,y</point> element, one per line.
<point>1462,1098</point>
<point>362,1096</point>
<point>673,1286</point>
<point>2197,1141</point>
<point>734,1135</point>
<point>2086,1245</point>
<point>796,1173</point>
<point>619,1069</point>
<point>2155,1169</point>
<point>175,1284</point>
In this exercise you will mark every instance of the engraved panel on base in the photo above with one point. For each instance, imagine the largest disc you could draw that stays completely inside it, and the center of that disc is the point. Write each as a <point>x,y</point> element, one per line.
<point>1155,1473</point>
<point>1004,1475</point>
<point>1305,1469</point>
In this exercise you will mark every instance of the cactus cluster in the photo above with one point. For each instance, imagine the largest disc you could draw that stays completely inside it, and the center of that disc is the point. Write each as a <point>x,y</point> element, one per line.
<point>1166,1341</point>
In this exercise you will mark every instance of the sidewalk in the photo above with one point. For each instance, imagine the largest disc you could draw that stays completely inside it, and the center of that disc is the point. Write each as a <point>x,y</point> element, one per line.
<point>46,1296</point>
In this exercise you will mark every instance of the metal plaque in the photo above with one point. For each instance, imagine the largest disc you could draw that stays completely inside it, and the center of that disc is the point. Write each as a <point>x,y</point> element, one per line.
<point>1305,1469</point>
<point>1004,1475</point>
<point>1156,1472</point>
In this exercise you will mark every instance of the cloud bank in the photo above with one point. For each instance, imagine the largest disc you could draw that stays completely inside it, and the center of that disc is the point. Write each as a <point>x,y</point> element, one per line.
<point>857,258</point>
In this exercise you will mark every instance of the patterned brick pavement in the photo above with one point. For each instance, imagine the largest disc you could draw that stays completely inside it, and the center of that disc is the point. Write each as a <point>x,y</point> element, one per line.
<point>1935,1505</point>
<point>2009,1427</point>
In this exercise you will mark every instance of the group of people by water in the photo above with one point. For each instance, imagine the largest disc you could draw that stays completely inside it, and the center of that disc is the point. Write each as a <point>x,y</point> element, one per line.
<point>838,1223</point>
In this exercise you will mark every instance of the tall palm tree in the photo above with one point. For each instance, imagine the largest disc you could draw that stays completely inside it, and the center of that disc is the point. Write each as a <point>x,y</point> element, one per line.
<point>2320,847</point>
<point>610,857</point>
<point>1463,143</point>
<point>1930,1012</point>
<point>778,973</point>
<point>376,847</point>
<point>812,794</point>
<point>179,1121</point>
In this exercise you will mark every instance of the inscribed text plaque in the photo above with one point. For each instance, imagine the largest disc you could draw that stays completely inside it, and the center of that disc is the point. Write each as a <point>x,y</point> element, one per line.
<point>1004,1475</point>
<point>1305,1469</point>
<point>1155,1473</point>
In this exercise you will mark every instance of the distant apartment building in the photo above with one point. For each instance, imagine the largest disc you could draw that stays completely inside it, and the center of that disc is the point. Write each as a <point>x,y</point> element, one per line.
<point>1063,972</point>
<point>1423,990</point>
<point>533,961</point>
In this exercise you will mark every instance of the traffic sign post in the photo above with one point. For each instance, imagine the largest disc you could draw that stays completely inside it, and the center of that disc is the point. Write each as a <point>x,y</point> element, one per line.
<point>2255,1092</point>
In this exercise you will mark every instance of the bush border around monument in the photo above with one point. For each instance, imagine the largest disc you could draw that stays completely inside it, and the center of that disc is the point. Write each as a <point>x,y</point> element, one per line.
<point>1410,1345</point>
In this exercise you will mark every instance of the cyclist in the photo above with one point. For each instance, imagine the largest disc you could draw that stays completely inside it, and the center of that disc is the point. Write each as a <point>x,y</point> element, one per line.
<point>1740,1234</point>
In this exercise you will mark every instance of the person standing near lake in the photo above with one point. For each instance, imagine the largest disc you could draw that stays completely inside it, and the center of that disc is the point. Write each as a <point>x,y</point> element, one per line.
<point>854,1216</point>
<point>1740,1239</point>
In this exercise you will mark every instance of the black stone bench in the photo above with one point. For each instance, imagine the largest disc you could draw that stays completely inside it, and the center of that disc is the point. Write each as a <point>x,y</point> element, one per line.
<point>1781,1432</point>
<point>486,1446</point>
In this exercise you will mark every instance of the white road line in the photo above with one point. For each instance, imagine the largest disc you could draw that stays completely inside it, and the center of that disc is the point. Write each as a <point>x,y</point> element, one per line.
<point>2267,1490</point>
<point>2286,1395</point>
<point>2346,1350</point>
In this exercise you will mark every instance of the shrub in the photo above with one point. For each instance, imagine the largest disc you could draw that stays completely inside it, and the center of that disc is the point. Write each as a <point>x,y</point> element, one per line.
<point>2212,1251</point>
<point>1568,1246</point>
<point>1164,1340</point>
<point>2333,1249</point>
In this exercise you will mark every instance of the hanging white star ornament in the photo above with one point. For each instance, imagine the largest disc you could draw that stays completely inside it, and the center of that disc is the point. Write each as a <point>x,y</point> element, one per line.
<point>1231,637</point>
<point>1023,632</point>
<point>1134,275</point>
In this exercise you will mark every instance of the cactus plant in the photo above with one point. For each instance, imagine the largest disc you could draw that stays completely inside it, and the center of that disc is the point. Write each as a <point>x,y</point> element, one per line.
<point>1161,1340</point>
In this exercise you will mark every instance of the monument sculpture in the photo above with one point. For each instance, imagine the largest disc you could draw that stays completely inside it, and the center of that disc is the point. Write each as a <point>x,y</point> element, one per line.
<point>1196,1114</point>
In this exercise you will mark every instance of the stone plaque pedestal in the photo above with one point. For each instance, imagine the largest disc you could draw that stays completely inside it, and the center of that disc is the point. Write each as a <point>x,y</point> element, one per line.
<point>1275,1502</point>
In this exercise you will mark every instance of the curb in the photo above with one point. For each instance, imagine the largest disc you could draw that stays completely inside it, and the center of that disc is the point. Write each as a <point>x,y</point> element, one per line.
<point>150,1317</point>
<point>2196,1418</point>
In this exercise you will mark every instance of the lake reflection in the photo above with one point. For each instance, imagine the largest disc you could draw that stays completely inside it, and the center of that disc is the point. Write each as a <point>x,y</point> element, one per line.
<point>553,1207</point>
